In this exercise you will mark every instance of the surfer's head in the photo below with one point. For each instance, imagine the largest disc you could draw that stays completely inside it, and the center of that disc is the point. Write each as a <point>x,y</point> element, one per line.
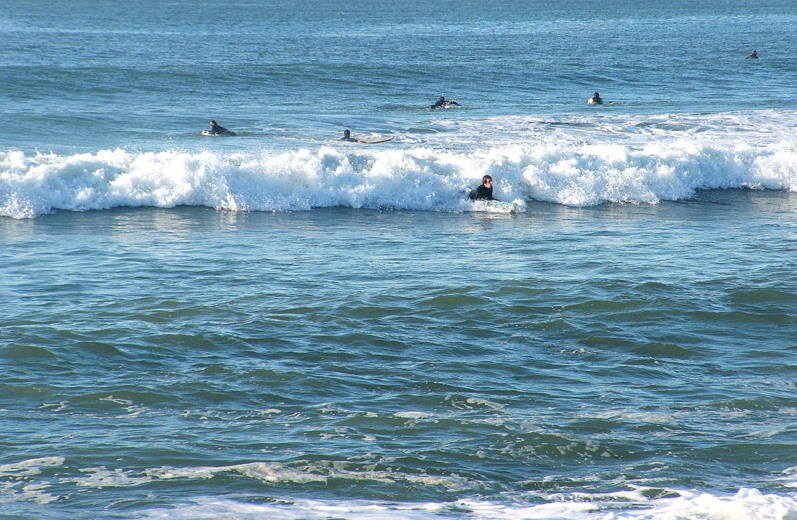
<point>487,180</point>
<point>346,133</point>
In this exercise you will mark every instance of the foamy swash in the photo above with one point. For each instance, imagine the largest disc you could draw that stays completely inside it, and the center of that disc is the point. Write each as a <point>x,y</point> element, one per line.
<point>631,503</point>
<point>746,504</point>
<point>416,176</point>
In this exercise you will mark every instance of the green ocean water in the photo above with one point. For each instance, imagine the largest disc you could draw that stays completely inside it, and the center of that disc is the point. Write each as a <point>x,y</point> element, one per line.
<point>187,362</point>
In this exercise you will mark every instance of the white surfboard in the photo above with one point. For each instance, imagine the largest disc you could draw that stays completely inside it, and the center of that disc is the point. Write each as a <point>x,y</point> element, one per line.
<point>495,206</point>
<point>375,140</point>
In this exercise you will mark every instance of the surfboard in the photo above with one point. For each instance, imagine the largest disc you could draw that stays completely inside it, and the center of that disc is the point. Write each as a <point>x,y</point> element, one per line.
<point>375,140</point>
<point>211,134</point>
<point>501,205</point>
<point>495,206</point>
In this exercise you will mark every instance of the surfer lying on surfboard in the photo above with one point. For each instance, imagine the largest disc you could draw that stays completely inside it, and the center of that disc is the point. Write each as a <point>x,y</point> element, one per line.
<point>347,137</point>
<point>443,102</point>
<point>483,192</point>
<point>216,129</point>
<point>483,200</point>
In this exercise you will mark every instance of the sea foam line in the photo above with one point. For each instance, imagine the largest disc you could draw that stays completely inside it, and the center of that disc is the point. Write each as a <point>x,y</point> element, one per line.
<point>746,504</point>
<point>416,178</point>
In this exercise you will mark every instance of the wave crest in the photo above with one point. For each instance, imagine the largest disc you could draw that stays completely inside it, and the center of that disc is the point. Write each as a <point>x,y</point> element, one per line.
<point>413,178</point>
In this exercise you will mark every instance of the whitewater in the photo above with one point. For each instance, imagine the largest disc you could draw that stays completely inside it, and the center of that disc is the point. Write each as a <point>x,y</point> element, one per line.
<point>574,161</point>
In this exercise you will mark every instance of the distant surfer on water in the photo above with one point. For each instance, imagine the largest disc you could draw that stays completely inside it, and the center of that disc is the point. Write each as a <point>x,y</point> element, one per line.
<point>483,192</point>
<point>753,55</point>
<point>216,129</point>
<point>443,103</point>
<point>596,99</point>
<point>367,140</point>
<point>347,137</point>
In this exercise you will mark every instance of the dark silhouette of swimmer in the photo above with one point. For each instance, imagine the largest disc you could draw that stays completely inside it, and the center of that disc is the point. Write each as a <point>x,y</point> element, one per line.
<point>443,102</point>
<point>483,192</point>
<point>753,55</point>
<point>347,137</point>
<point>596,99</point>
<point>216,129</point>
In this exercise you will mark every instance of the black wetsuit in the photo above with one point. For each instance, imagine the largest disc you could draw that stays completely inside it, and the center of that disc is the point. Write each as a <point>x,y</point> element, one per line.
<point>219,130</point>
<point>443,102</point>
<point>482,193</point>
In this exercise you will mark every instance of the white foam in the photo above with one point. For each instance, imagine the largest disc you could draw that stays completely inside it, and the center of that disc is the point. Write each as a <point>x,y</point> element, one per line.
<point>29,467</point>
<point>297,510</point>
<point>17,484</point>
<point>103,477</point>
<point>275,472</point>
<point>747,504</point>
<point>580,163</point>
<point>417,416</point>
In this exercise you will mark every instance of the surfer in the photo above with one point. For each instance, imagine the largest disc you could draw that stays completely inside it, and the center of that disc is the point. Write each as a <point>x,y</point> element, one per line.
<point>483,192</point>
<point>347,137</point>
<point>368,140</point>
<point>596,99</point>
<point>753,55</point>
<point>216,129</point>
<point>443,103</point>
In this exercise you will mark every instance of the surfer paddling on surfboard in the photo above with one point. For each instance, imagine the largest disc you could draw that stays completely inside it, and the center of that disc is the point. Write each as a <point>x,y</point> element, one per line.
<point>483,192</point>
<point>216,129</point>
<point>443,103</point>
<point>483,200</point>
<point>347,137</point>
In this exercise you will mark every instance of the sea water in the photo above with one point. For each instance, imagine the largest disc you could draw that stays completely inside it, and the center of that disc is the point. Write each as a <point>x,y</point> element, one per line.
<point>281,325</point>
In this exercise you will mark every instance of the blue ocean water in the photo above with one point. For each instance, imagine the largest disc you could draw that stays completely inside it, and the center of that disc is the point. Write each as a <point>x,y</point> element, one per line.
<point>282,325</point>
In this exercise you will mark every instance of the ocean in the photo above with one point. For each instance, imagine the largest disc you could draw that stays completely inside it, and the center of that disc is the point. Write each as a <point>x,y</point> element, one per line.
<point>282,325</point>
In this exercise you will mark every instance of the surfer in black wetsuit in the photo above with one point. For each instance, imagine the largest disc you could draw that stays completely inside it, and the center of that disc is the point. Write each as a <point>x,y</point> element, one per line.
<point>596,99</point>
<point>483,192</point>
<point>216,129</point>
<point>347,137</point>
<point>443,102</point>
<point>753,55</point>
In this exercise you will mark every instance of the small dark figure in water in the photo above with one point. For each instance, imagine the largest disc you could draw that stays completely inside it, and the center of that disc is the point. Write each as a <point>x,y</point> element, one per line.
<point>596,99</point>
<point>216,129</point>
<point>347,137</point>
<point>443,102</point>
<point>485,191</point>
<point>753,55</point>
